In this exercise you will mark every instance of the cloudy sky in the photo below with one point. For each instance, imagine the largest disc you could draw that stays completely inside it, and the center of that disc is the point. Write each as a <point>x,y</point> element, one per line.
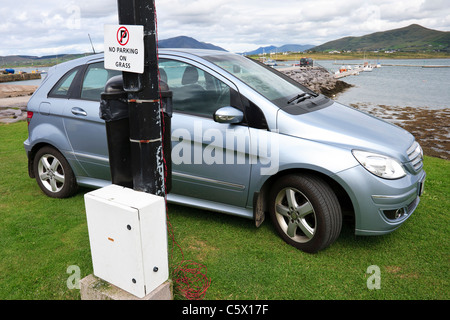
<point>47,27</point>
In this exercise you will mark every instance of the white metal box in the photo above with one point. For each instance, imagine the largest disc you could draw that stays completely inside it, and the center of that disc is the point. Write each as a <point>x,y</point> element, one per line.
<point>128,238</point>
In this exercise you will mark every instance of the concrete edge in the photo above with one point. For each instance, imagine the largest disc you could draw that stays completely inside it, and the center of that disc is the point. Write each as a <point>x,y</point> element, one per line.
<point>94,288</point>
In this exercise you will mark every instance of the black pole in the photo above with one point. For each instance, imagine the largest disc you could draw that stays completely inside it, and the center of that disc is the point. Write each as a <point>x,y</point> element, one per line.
<point>144,102</point>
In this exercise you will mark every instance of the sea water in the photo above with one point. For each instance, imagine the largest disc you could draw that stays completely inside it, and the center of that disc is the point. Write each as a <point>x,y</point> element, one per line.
<point>404,84</point>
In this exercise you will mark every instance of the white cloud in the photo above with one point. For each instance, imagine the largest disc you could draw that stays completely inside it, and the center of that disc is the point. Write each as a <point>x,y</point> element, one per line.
<point>54,27</point>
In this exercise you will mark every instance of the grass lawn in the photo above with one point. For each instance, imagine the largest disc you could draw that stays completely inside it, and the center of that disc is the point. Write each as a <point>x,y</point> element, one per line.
<point>42,237</point>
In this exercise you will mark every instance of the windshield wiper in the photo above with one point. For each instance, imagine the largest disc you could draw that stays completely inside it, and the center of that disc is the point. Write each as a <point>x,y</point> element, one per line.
<point>297,97</point>
<point>302,97</point>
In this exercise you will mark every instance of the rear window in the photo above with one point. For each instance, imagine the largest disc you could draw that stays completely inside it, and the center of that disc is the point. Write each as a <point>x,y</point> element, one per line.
<point>62,88</point>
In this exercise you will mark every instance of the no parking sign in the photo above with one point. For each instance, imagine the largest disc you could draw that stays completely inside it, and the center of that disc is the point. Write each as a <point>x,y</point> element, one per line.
<point>124,48</point>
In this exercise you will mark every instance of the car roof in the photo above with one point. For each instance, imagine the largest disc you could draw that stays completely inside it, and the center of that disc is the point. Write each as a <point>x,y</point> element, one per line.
<point>195,52</point>
<point>63,67</point>
<point>176,51</point>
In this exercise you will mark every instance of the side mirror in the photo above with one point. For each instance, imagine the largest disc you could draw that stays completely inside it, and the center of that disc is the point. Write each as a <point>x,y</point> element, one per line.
<point>228,115</point>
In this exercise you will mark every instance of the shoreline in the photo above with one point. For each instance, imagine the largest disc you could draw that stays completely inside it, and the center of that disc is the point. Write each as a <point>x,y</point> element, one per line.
<point>16,90</point>
<point>13,102</point>
<point>429,126</point>
<point>19,77</point>
<point>317,79</point>
<point>370,56</point>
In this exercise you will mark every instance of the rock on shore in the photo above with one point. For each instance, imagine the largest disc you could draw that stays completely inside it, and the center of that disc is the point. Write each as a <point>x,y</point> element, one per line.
<point>13,90</point>
<point>317,79</point>
<point>19,77</point>
<point>13,102</point>
<point>428,126</point>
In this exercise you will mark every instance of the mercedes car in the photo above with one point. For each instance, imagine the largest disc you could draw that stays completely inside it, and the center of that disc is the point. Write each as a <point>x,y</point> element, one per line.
<point>246,140</point>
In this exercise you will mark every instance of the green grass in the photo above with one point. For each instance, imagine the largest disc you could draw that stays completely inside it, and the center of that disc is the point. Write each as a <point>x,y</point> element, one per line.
<point>41,237</point>
<point>370,56</point>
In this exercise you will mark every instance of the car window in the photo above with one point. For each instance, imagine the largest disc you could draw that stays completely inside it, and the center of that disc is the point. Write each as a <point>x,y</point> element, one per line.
<point>61,89</point>
<point>94,81</point>
<point>270,83</point>
<point>194,90</point>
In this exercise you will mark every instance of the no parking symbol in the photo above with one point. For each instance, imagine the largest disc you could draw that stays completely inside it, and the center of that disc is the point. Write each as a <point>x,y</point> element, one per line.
<point>123,36</point>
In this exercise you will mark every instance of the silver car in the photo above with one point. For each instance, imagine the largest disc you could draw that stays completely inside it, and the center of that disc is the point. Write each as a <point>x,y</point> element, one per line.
<point>246,141</point>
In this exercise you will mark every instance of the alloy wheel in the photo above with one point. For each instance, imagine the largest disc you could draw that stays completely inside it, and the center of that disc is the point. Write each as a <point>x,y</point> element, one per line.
<point>51,173</point>
<point>295,215</point>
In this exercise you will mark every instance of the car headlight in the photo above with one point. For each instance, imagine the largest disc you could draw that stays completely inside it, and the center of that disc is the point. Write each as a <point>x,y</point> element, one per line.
<point>380,165</point>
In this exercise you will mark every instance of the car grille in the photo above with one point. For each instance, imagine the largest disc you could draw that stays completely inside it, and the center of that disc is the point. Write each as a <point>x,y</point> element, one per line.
<point>415,156</point>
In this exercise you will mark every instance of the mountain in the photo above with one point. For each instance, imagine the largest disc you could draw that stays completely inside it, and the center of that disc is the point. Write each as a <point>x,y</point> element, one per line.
<point>411,38</point>
<point>294,47</point>
<point>187,42</point>
<point>284,48</point>
<point>177,42</point>
<point>29,61</point>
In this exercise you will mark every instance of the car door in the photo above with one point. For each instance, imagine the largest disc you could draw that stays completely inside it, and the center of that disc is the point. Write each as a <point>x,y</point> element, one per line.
<point>52,108</point>
<point>210,160</point>
<point>84,128</point>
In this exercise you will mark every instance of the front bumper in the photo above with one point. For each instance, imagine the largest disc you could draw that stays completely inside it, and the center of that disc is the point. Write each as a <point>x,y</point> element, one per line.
<point>380,205</point>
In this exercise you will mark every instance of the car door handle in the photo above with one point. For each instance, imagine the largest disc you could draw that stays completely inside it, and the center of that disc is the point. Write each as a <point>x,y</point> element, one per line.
<point>79,112</point>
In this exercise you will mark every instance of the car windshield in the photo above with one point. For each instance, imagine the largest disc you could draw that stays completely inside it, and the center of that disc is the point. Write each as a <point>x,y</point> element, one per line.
<point>267,82</point>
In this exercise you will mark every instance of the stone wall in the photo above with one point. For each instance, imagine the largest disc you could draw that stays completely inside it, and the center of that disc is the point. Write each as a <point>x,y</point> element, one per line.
<point>316,79</point>
<point>19,77</point>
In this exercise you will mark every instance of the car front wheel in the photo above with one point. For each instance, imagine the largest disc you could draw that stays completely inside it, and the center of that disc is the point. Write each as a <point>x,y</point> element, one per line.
<point>305,212</point>
<point>54,174</point>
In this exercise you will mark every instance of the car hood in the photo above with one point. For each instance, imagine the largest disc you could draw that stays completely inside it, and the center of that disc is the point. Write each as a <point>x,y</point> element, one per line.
<point>349,128</point>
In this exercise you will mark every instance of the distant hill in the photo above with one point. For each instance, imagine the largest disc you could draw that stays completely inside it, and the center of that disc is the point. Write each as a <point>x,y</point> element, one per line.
<point>411,38</point>
<point>187,42</point>
<point>284,48</point>
<point>30,61</point>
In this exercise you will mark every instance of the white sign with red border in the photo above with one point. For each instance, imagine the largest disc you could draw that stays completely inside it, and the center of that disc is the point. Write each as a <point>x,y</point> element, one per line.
<point>124,48</point>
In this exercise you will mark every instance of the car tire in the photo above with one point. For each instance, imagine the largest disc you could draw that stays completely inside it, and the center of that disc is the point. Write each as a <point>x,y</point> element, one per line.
<point>305,212</point>
<point>53,173</point>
